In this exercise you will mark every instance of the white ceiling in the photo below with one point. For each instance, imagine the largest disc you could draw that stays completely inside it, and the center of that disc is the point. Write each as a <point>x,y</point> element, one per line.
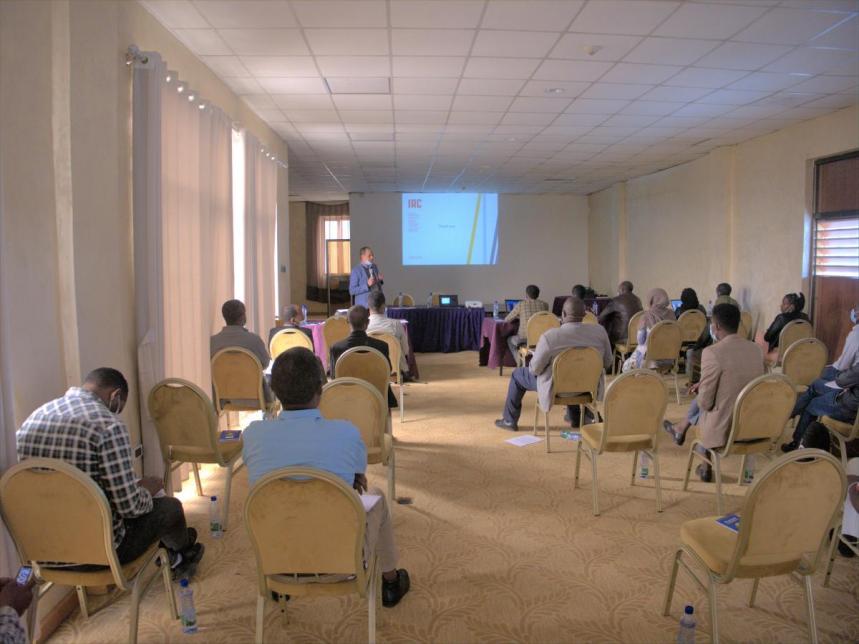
<point>518,95</point>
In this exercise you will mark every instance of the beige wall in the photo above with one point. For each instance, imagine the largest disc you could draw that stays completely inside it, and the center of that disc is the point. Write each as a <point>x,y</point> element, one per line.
<point>297,251</point>
<point>739,214</point>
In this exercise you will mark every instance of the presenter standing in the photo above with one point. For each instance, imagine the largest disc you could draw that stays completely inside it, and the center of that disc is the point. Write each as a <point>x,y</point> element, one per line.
<point>365,277</point>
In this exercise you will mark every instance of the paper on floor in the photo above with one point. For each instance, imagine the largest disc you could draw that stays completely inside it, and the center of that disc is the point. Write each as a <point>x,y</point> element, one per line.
<point>369,500</point>
<point>522,441</point>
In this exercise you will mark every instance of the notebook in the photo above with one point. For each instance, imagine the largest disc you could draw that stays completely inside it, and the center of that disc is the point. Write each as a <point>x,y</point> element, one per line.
<point>230,435</point>
<point>730,521</point>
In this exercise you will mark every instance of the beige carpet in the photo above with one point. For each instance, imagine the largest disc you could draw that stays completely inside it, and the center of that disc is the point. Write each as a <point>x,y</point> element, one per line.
<point>499,547</point>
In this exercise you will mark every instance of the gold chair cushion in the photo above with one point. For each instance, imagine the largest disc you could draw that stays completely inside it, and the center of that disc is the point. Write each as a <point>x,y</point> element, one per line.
<point>838,426</point>
<point>229,449</point>
<point>306,586</point>
<point>65,577</point>
<point>592,435</point>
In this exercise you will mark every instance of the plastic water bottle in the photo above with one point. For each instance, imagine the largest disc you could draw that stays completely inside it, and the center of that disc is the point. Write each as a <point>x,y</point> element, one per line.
<point>400,298</point>
<point>429,300</point>
<point>303,313</point>
<point>571,436</point>
<point>644,462</point>
<point>686,632</point>
<point>749,470</point>
<point>709,308</point>
<point>495,309</point>
<point>187,612</point>
<point>215,518</point>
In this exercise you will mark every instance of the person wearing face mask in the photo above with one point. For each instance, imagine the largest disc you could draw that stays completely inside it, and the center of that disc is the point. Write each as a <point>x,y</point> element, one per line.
<point>791,309</point>
<point>83,428</point>
<point>365,278</point>
<point>727,366</point>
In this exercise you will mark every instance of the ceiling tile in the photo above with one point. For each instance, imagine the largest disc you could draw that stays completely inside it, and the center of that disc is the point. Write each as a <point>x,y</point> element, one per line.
<point>259,100</point>
<point>277,85</point>
<point>825,84</point>
<point>243,85</point>
<point>203,42</point>
<point>732,97</point>
<point>280,66</point>
<point>425,14</point>
<point>362,102</point>
<point>425,85</point>
<point>719,21</point>
<point>537,15</point>
<point>312,116</point>
<point>669,51</point>
<point>527,118</point>
<point>426,118</point>
<point>676,94</point>
<point>502,68</point>
<point>476,118</point>
<point>599,47</point>
<point>703,77</point>
<point>251,14</point>
<point>225,66</point>
<point>622,16</point>
<point>571,70</point>
<point>637,73</point>
<point>303,101</point>
<point>344,66</point>
<point>648,107</point>
<point>524,44</point>
<point>809,60</point>
<point>539,104</point>
<point>594,106</point>
<point>358,85</point>
<point>302,86</point>
<point>834,101</point>
<point>342,13</point>
<point>789,26</point>
<point>741,55</point>
<point>430,66</point>
<point>176,14</point>
<point>347,42</point>
<point>477,103</point>
<point>580,120</point>
<point>367,116</point>
<point>431,42</point>
<point>765,82</point>
<point>265,42</point>
<point>631,120</point>
<point>615,91</point>
<point>844,36</point>
<point>543,88</point>
<point>421,102</point>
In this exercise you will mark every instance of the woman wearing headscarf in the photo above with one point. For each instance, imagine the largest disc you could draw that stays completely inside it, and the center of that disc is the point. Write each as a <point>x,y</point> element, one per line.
<point>658,309</point>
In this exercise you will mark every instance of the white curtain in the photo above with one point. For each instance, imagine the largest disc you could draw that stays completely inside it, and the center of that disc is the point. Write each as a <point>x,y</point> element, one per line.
<point>183,234</point>
<point>260,226</point>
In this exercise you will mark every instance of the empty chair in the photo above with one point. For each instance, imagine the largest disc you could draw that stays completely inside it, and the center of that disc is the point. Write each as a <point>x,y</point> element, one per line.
<point>633,410</point>
<point>367,364</point>
<point>663,345</point>
<point>286,339</point>
<point>692,324</point>
<point>394,350</point>
<point>590,318</point>
<point>802,491</point>
<point>334,329</point>
<point>237,381</point>
<point>746,326</point>
<point>538,324</point>
<point>793,331</point>
<point>622,350</point>
<point>362,405</point>
<point>804,361</point>
<point>576,376</point>
<point>304,523</point>
<point>761,412</point>
<point>55,512</point>
<point>187,427</point>
<point>842,433</point>
<point>404,299</point>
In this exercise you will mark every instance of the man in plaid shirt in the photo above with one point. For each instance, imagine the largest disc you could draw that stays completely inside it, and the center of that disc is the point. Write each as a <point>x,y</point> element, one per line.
<point>523,311</point>
<point>83,428</point>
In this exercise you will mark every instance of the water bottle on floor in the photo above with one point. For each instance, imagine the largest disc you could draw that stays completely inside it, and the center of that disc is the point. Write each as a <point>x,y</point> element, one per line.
<point>495,309</point>
<point>644,463</point>
<point>215,518</point>
<point>686,632</point>
<point>749,470</point>
<point>187,613</point>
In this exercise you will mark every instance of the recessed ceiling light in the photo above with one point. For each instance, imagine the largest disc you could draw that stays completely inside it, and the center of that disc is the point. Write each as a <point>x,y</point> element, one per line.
<point>554,90</point>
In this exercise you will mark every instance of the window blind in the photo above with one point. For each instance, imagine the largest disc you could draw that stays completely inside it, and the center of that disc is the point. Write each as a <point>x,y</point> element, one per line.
<point>837,247</point>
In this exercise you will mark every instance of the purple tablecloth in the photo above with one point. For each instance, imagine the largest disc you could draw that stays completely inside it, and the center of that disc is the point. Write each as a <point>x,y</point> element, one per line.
<point>441,330</point>
<point>590,302</point>
<point>494,351</point>
<point>322,352</point>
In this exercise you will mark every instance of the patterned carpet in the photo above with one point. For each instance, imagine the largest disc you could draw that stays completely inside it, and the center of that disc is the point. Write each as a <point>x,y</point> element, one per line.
<point>499,547</point>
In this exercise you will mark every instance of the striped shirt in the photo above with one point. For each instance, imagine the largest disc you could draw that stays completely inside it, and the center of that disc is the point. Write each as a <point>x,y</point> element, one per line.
<point>524,310</point>
<point>79,429</point>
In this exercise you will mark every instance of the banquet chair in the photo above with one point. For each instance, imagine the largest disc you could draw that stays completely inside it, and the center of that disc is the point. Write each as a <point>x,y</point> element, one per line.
<point>404,299</point>
<point>538,324</point>
<point>307,528</point>
<point>55,512</point>
<point>367,364</point>
<point>362,405</point>
<point>803,362</point>
<point>663,344</point>
<point>286,339</point>
<point>792,331</point>
<point>622,350</point>
<point>334,329</point>
<point>692,324</point>
<point>576,376</point>
<point>803,490</point>
<point>633,410</point>
<point>760,415</point>
<point>842,433</point>
<point>237,381</point>
<point>746,324</point>
<point>852,469</point>
<point>590,318</point>
<point>187,427</point>
<point>394,351</point>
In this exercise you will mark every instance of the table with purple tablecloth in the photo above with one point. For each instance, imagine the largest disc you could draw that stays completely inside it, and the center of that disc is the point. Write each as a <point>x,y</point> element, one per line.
<point>494,352</point>
<point>441,329</point>
<point>593,304</point>
<point>322,352</point>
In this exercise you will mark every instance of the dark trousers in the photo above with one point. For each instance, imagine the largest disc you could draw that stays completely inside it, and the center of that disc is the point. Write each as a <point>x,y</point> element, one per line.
<point>166,523</point>
<point>818,400</point>
<point>523,380</point>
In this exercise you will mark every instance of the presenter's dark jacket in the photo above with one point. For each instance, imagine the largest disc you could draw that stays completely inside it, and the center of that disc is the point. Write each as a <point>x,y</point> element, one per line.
<point>361,339</point>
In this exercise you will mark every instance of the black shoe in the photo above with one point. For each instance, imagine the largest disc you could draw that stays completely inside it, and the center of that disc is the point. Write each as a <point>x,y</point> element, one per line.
<point>503,424</point>
<point>394,591</point>
<point>844,549</point>
<point>678,438</point>
<point>789,447</point>
<point>184,565</point>
<point>705,472</point>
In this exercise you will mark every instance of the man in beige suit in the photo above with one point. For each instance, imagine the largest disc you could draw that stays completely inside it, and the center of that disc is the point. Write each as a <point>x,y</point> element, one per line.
<point>726,368</point>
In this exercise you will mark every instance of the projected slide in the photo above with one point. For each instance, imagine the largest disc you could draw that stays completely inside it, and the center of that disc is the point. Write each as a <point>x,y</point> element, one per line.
<point>452,228</point>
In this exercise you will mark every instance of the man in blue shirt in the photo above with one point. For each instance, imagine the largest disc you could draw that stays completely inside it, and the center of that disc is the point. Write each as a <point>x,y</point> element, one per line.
<point>365,277</point>
<point>301,437</point>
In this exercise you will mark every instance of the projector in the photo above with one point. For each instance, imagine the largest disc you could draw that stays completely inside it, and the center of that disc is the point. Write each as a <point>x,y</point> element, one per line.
<point>473,304</point>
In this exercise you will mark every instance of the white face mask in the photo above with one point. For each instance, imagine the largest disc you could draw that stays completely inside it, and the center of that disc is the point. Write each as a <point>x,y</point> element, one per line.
<point>853,317</point>
<point>713,334</point>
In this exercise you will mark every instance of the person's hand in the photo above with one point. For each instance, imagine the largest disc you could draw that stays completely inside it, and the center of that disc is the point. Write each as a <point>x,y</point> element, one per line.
<point>693,389</point>
<point>360,483</point>
<point>381,277</point>
<point>371,281</point>
<point>152,484</point>
<point>18,597</point>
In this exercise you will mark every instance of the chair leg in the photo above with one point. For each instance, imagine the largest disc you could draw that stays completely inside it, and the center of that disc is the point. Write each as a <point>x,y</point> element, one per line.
<point>168,583</point>
<point>258,634</point>
<point>168,478</point>
<point>32,613</point>
<point>548,447</point>
<point>371,605</point>
<point>536,416</point>
<point>134,609</point>
<point>809,602</point>
<point>196,469</point>
<point>676,385</point>
<point>225,508</point>
<point>742,470</point>
<point>578,463</point>
<point>717,473</point>
<point>402,397</point>
<point>655,456</point>
<point>714,616</point>
<point>634,467</point>
<point>595,491</point>
<point>392,483</point>
<point>672,580</point>
<point>689,466</point>
<point>754,592</point>
<point>832,547</point>
<point>82,601</point>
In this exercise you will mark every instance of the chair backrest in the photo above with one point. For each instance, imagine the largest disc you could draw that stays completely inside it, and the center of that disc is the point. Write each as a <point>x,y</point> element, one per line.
<point>664,341</point>
<point>236,375</point>
<point>804,361</point>
<point>576,370</point>
<point>746,323</point>
<point>634,405</point>
<point>404,299</point>
<point>286,339</point>
<point>304,520</point>
<point>793,331</point>
<point>538,324</point>
<point>394,348</point>
<point>367,364</point>
<point>692,324</point>
<point>56,513</point>
<point>333,330</point>
<point>186,421</point>
<point>590,318</point>
<point>789,511</point>
<point>632,330</point>
<point>361,404</point>
<point>762,410</point>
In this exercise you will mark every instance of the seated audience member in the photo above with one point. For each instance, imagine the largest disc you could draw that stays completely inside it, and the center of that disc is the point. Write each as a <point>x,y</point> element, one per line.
<point>359,319</point>
<point>689,302</point>
<point>579,292</point>
<point>523,311</point>
<point>83,428</point>
<point>617,313</point>
<point>820,400</point>
<point>727,367</point>
<point>292,319</point>
<point>791,309</point>
<point>538,375</point>
<point>381,323</point>
<point>723,295</point>
<point>658,309</point>
<point>850,353</point>
<point>14,601</point>
<point>234,334</point>
<point>299,436</point>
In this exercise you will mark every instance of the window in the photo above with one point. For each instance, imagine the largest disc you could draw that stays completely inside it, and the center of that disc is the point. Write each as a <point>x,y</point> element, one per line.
<point>337,254</point>
<point>837,247</point>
